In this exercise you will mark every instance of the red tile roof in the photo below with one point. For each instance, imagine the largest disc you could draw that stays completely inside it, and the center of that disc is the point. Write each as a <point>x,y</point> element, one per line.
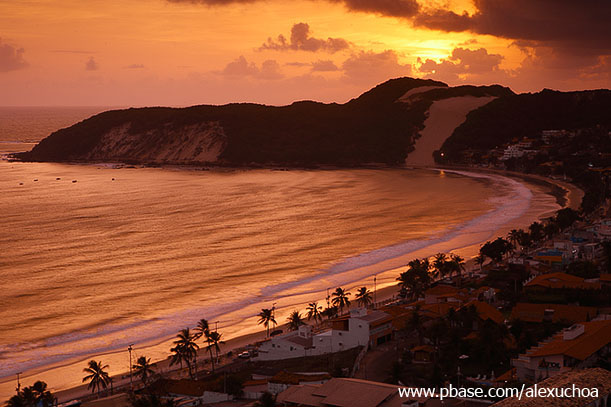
<point>486,311</point>
<point>562,280</point>
<point>596,335</point>
<point>536,312</point>
<point>586,378</point>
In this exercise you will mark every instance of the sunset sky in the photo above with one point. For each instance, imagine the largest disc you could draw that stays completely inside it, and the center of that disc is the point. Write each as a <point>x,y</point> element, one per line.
<point>184,52</point>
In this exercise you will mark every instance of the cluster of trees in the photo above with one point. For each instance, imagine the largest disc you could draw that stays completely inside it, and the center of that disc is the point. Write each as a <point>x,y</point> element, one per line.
<point>450,338</point>
<point>186,347</point>
<point>339,300</point>
<point>184,351</point>
<point>497,249</point>
<point>36,395</point>
<point>421,273</point>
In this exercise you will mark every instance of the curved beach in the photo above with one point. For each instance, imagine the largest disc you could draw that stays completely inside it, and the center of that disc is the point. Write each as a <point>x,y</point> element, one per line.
<point>531,202</point>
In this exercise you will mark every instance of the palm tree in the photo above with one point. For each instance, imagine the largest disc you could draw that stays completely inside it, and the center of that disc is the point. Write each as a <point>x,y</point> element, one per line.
<point>185,350</point>
<point>330,312</point>
<point>480,259</point>
<point>295,320</point>
<point>97,377</point>
<point>213,339</point>
<point>266,317</point>
<point>36,395</point>
<point>340,299</point>
<point>457,265</point>
<point>514,237</point>
<point>441,265</point>
<point>201,328</point>
<point>363,297</point>
<point>416,279</point>
<point>314,311</point>
<point>144,369</point>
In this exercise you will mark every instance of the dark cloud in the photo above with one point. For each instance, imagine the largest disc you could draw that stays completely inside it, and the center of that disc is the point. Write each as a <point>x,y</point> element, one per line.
<point>394,8</point>
<point>269,69</point>
<point>463,65</point>
<point>302,40</point>
<point>557,23</point>
<point>11,58</point>
<point>91,65</point>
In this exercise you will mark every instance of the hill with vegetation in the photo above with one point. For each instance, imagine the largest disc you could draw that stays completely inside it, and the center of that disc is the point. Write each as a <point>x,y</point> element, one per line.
<point>550,133</point>
<point>374,128</point>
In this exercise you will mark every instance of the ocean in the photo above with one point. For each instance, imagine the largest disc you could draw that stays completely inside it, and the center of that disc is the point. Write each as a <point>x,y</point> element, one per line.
<point>96,257</point>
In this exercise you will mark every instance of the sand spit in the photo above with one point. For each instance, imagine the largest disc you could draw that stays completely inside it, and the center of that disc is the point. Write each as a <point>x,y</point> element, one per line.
<point>443,117</point>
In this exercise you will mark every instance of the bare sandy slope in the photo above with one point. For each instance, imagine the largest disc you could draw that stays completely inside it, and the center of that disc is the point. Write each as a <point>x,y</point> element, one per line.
<point>444,116</point>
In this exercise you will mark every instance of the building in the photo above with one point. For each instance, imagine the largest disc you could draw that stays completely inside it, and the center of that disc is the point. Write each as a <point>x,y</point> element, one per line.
<point>485,312</point>
<point>579,346</point>
<point>559,281</point>
<point>583,379</point>
<point>538,313</point>
<point>283,380</point>
<point>512,151</point>
<point>553,257</point>
<point>343,392</point>
<point>360,328</point>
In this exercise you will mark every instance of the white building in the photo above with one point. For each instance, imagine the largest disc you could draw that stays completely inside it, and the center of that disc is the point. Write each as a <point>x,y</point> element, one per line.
<point>579,346</point>
<point>361,328</point>
<point>512,151</point>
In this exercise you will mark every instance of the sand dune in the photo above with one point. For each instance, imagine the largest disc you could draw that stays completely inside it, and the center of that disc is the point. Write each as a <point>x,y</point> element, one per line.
<point>444,116</point>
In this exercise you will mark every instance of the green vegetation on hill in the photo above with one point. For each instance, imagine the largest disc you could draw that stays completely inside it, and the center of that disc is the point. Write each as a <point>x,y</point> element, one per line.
<point>526,115</point>
<point>580,151</point>
<point>373,128</point>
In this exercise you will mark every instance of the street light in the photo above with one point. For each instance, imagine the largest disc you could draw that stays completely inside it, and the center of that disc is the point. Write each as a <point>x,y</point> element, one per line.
<point>375,290</point>
<point>18,383</point>
<point>131,382</point>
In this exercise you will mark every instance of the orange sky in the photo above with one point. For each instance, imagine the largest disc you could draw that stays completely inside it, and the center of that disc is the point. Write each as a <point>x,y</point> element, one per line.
<point>183,52</point>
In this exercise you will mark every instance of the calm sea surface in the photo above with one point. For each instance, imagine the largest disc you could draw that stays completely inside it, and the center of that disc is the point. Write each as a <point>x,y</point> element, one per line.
<point>132,255</point>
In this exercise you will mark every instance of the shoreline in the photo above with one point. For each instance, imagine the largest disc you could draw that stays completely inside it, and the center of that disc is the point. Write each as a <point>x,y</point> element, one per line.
<point>386,287</point>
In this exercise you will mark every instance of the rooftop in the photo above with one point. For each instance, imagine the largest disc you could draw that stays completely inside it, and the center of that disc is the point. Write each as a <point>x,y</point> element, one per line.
<point>587,378</point>
<point>536,312</point>
<point>561,280</point>
<point>486,311</point>
<point>297,378</point>
<point>596,335</point>
<point>343,392</point>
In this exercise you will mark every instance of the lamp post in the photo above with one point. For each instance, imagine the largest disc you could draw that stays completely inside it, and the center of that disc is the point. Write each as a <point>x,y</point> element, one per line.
<point>375,290</point>
<point>131,381</point>
<point>18,382</point>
